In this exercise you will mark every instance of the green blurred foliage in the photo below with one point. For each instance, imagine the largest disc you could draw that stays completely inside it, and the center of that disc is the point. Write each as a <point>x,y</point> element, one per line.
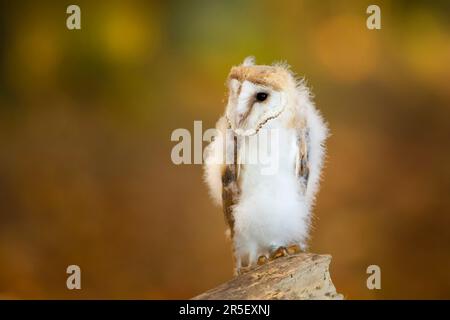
<point>86,117</point>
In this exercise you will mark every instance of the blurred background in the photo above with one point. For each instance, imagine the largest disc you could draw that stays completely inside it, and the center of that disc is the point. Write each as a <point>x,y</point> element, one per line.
<point>86,117</point>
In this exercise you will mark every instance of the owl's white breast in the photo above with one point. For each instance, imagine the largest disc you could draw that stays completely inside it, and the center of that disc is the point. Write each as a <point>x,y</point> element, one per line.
<point>271,211</point>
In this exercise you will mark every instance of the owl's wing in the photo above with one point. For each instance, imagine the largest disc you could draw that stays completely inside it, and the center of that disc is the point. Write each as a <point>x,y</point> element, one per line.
<point>230,193</point>
<point>220,173</point>
<point>214,164</point>
<point>302,160</point>
<point>230,181</point>
<point>311,135</point>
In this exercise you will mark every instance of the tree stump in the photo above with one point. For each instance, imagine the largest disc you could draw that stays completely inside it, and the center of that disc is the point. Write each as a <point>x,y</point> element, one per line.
<point>300,276</point>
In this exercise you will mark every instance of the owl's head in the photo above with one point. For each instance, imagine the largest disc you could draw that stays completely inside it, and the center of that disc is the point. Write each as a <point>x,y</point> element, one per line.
<point>257,94</point>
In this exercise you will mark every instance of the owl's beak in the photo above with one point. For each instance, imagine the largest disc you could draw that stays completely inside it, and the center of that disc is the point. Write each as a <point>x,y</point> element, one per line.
<point>245,133</point>
<point>239,130</point>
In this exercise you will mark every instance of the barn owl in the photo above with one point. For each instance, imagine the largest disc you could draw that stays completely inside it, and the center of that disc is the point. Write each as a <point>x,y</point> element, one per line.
<point>267,214</point>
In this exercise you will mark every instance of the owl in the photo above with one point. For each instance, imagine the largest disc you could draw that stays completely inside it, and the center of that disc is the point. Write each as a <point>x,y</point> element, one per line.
<point>267,212</point>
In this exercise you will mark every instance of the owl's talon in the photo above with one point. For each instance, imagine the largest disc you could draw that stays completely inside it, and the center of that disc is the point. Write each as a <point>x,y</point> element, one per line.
<point>293,249</point>
<point>262,260</point>
<point>243,270</point>
<point>280,252</point>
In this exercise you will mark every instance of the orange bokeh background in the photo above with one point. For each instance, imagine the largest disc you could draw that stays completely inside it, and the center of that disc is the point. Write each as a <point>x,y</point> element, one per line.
<point>86,118</point>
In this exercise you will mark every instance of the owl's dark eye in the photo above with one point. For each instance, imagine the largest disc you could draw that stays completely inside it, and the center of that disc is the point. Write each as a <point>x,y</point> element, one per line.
<point>261,96</point>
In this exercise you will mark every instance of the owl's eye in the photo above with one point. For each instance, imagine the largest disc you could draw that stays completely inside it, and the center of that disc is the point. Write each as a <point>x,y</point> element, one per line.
<point>261,96</point>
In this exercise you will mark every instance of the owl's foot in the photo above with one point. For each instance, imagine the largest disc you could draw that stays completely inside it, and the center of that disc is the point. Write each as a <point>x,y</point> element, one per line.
<point>242,270</point>
<point>293,249</point>
<point>280,252</point>
<point>285,251</point>
<point>249,264</point>
<point>262,260</point>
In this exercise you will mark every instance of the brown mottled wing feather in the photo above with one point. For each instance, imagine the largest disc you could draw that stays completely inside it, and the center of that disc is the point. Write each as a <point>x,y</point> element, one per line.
<point>303,157</point>
<point>230,190</point>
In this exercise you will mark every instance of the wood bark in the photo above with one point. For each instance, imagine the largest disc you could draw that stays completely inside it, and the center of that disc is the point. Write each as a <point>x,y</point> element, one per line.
<point>300,276</point>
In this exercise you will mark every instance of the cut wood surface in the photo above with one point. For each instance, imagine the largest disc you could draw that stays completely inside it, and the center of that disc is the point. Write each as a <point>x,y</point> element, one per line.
<point>300,276</point>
